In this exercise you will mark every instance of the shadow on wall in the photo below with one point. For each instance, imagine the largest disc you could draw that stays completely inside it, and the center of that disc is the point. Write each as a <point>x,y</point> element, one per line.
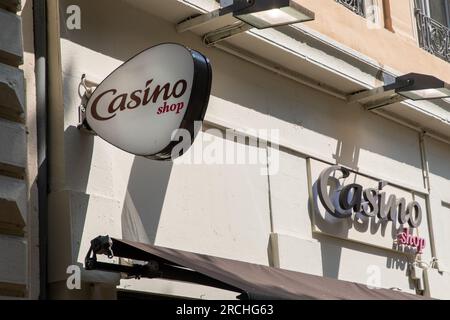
<point>79,156</point>
<point>332,254</point>
<point>27,20</point>
<point>146,190</point>
<point>147,186</point>
<point>102,32</point>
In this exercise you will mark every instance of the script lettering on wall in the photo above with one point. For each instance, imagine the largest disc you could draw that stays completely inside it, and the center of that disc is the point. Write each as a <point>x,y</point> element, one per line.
<point>352,206</point>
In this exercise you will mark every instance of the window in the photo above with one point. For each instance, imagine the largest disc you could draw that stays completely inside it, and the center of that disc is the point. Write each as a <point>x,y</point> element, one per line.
<point>433,25</point>
<point>439,10</point>
<point>356,6</point>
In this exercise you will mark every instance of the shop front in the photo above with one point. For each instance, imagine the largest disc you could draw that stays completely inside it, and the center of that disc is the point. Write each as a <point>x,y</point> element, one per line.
<point>281,187</point>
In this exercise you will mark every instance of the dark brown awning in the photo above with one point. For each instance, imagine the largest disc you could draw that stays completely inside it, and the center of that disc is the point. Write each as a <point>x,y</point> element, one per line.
<point>252,280</point>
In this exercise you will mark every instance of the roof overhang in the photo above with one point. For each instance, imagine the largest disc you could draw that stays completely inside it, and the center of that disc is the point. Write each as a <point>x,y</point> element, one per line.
<point>310,58</point>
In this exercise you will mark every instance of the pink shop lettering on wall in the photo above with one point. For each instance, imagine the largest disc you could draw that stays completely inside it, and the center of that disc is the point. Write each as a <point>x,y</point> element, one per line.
<point>405,238</point>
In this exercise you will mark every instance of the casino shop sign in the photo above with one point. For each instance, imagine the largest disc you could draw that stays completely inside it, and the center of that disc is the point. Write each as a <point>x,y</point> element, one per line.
<point>140,105</point>
<point>355,207</point>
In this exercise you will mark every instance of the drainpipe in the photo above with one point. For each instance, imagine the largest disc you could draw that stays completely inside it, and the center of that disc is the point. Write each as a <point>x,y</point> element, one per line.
<point>40,47</point>
<point>426,172</point>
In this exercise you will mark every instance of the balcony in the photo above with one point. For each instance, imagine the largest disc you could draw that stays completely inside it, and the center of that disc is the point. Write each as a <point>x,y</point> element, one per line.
<point>433,36</point>
<point>357,6</point>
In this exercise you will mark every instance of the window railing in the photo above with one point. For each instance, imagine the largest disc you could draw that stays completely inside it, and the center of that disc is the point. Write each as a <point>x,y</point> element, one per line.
<point>434,37</point>
<point>357,6</point>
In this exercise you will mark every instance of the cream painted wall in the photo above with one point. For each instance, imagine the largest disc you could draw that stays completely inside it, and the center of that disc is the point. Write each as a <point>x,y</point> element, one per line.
<point>337,22</point>
<point>219,210</point>
<point>403,20</point>
<point>437,154</point>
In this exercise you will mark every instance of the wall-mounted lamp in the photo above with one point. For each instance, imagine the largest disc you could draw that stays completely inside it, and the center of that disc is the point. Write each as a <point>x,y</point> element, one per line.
<point>270,13</point>
<point>417,86</point>
<point>414,86</point>
<point>259,14</point>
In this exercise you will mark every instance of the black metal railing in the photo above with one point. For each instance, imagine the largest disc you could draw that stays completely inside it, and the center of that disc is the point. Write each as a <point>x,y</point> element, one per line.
<point>434,37</point>
<point>357,6</point>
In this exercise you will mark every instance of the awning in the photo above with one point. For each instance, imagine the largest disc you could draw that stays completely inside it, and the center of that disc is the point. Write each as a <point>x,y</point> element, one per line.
<point>251,280</point>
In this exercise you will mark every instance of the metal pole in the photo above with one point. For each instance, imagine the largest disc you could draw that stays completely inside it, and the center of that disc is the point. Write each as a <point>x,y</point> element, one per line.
<point>40,47</point>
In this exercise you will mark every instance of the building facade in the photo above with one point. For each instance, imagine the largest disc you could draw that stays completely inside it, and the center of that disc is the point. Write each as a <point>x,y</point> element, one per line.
<point>19,258</point>
<point>289,88</point>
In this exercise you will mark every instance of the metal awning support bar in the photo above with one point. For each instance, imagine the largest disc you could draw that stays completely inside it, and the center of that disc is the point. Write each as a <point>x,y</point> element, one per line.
<point>152,269</point>
<point>134,271</point>
<point>89,87</point>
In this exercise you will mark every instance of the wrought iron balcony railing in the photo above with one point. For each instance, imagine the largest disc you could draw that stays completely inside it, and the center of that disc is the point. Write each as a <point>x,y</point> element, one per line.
<point>357,6</point>
<point>434,37</point>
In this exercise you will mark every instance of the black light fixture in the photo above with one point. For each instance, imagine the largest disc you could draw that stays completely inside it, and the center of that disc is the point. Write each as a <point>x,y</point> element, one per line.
<point>259,14</point>
<point>413,86</point>
<point>416,86</point>
<point>263,14</point>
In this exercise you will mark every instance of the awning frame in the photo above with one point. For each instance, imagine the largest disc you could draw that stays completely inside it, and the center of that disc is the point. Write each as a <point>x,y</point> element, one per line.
<point>248,280</point>
<point>152,269</point>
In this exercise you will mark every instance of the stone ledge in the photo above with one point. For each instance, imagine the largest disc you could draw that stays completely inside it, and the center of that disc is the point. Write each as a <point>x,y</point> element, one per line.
<point>12,93</point>
<point>10,171</point>
<point>13,266</point>
<point>13,206</point>
<point>11,5</point>
<point>11,43</point>
<point>13,143</point>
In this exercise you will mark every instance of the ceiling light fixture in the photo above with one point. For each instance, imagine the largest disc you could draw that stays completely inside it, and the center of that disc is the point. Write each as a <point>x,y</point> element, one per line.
<point>259,14</point>
<point>414,86</point>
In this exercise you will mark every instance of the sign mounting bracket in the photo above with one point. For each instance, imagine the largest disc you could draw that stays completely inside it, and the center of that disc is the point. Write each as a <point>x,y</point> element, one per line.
<point>85,89</point>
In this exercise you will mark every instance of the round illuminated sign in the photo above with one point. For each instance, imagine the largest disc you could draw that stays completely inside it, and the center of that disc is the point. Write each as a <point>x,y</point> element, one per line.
<point>138,106</point>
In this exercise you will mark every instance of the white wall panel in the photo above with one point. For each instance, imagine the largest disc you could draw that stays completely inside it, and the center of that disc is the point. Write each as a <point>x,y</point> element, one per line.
<point>334,259</point>
<point>439,166</point>
<point>222,210</point>
<point>290,197</point>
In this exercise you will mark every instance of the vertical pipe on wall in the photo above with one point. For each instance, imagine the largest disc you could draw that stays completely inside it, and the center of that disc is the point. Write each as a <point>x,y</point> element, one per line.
<point>40,45</point>
<point>426,175</point>
<point>272,252</point>
<point>58,221</point>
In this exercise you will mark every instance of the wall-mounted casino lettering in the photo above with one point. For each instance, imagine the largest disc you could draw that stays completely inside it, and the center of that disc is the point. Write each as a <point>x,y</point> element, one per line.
<point>369,202</point>
<point>346,200</point>
<point>138,107</point>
